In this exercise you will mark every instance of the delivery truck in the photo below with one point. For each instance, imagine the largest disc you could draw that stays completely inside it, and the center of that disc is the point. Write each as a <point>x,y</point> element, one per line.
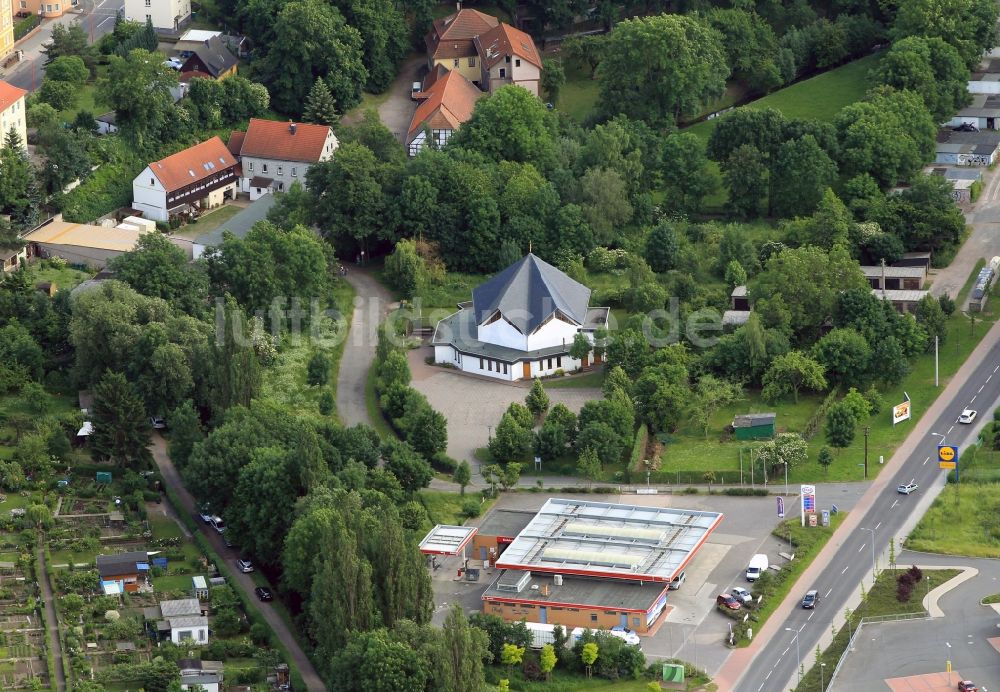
<point>758,565</point>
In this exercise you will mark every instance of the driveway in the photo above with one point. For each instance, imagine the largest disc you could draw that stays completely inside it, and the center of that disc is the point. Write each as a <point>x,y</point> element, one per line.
<point>371,305</point>
<point>474,405</point>
<point>239,580</point>
<point>397,109</point>
<point>984,240</point>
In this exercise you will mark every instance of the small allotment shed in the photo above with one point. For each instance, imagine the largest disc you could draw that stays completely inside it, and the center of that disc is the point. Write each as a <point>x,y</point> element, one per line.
<point>754,426</point>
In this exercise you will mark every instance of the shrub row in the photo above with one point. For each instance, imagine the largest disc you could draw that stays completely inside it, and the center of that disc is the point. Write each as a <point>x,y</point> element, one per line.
<point>819,415</point>
<point>639,448</point>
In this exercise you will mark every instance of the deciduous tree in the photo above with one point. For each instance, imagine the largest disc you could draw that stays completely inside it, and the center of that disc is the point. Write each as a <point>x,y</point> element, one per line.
<point>791,372</point>
<point>661,68</point>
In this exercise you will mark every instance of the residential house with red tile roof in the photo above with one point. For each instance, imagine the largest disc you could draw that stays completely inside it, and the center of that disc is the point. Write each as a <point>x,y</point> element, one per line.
<point>484,50</point>
<point>447,103</point>
<point>274,154</point>
<point>12,112</point>
<point>199,177</point>
<point>508,56</point>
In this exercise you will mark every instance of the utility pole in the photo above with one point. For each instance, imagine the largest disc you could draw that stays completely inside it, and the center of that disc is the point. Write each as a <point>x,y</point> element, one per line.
<point>867,430</point>
<point>936,361</point>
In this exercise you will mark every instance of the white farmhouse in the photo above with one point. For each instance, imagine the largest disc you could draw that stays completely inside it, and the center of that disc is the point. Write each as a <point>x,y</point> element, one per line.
<point>275,154</point>
<point>520,324</point>
<point>197,178</point>
<point>168,15</point>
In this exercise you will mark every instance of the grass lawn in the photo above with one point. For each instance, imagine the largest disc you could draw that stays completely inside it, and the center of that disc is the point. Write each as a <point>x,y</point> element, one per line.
<point>85,101</point>
<point>578,96</point>
<point>285,382</point>
<point>173,582</point>
<point>590,380</point>
<point>164,527</point>
<point>880,601</point>
<point>446,508</point>
<point>208,221</point>
<point>564,681</point>
<point>816,98</point>
<point>63,277</point>
<point>962,521</point>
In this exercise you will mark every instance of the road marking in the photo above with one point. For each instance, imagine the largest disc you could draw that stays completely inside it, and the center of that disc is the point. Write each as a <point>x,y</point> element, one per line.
<point>761,686</point>
<point>980,389</point>
<point>878,525</point>
<point>925,461</point>
<point>814,612</point>
<point>950,429</point>
<point>768,674</point>
<point>896,502</point>
<point>861,548</point>
<point>973,399</point>
<point>803,627</point>
<point>996,368</point>
<point>989,378</point>
<point>785,651</point>
<point>104,21</point>
<point>831,590</point>
<point>842,571</point>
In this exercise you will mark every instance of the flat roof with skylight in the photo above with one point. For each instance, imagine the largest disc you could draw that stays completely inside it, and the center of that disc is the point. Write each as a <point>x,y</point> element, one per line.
<point>608,540</point>
<point>447,540</point>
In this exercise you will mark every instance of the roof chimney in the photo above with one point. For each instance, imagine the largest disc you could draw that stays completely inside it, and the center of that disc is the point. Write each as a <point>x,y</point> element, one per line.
<point>291,127</point>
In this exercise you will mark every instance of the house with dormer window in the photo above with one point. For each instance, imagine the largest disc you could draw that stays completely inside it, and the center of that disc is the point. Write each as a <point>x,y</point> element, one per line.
<point>200,177</point>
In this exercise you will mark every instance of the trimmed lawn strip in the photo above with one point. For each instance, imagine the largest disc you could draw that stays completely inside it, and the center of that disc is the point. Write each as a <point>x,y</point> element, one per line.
<point>962,521</point>
<point>375,415</point>
<point>881,600</point>
<point>817,98</point>
<point>590,380</point>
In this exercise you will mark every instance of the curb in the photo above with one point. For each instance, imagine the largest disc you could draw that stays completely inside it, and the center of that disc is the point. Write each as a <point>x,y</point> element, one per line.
<point>930,602</point>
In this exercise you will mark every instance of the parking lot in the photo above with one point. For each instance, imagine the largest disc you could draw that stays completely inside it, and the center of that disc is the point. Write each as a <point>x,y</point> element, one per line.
<point>691,629</point>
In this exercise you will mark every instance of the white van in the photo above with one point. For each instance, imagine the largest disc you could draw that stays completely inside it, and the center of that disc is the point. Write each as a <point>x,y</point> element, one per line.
<point>758,565</point>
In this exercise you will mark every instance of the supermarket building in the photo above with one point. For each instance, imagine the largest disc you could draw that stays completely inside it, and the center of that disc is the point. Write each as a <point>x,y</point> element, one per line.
<point>579,563</point>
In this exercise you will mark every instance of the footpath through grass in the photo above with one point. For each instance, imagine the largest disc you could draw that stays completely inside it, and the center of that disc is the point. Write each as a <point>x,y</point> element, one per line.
<point>880,601</point>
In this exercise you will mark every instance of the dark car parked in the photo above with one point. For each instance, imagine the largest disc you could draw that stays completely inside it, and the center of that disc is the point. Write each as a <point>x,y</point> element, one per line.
<point>263,593</point>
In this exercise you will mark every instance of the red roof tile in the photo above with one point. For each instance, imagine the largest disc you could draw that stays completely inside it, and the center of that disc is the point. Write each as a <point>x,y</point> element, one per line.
<point>273,139</point>
<point>450,102</point>
<point>195,163</point>
<point>451,37</point>
<point>9,94</point>
<point>235,142</point>
<point>504,40</point>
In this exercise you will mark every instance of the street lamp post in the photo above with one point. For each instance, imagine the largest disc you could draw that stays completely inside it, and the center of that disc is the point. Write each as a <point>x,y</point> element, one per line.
<point>822,679</point>
<point>786,477</point>
<point>867,430</point>
<point>872,531</point>
<point>798,660</point>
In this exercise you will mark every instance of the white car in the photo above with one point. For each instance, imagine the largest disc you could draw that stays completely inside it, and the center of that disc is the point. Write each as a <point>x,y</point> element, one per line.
<point>741,594</point>
<point>907,488</point>
<point>173,63</point>
<point>968,415</point>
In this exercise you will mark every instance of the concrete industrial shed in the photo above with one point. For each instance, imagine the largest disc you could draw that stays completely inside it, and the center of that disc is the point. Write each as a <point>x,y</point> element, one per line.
<point>596,564</point>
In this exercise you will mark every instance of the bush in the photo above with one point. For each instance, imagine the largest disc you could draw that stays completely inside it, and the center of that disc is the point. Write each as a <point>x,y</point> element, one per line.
<point>443,463</point>
<point>916,573</point>
<point>326,403</point>
<point>745,492</point>
<point>903,592</point>
<point>318,369</point>
<point>471,507</point>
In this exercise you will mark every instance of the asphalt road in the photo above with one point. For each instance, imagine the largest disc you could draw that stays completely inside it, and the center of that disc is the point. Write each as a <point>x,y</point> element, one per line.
<point>97,17</point>
<point>240,580</point>
<point>775,666</point>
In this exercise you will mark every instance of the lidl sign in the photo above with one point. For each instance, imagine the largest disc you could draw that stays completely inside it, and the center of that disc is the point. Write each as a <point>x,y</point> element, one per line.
<point>947,456</point>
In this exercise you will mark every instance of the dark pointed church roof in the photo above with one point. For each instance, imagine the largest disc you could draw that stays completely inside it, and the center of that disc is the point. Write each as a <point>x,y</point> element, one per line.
<point>527,293</point>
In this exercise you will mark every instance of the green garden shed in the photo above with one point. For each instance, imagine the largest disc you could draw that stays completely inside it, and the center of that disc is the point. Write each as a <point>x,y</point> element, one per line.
<point>754,426</point>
